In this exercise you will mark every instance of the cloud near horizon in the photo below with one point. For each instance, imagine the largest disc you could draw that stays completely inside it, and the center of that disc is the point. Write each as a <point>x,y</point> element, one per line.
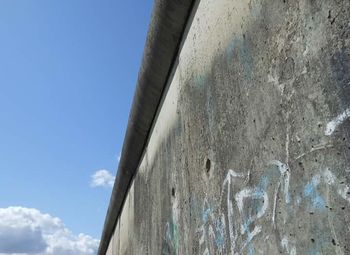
<point>102,178</point>
<point>27,231</point>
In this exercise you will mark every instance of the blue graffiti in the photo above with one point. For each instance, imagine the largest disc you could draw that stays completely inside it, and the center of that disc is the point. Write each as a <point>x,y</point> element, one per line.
<point>205,215</point>
<point>220,234</point>
<point>310,191</point>
<point>251,250</point>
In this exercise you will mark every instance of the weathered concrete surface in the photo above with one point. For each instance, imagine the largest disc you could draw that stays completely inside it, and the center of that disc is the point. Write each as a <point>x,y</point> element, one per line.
<point>169,19</point>
<point>250,151</point>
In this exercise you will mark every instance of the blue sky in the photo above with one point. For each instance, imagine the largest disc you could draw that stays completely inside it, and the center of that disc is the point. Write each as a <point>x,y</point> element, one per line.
<point>68,70</point>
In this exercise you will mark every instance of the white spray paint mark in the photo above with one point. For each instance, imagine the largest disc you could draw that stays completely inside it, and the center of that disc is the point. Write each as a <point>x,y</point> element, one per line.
<point>233,235</point>
<point>223,222</point>
<point>289,248</point>
<point>230,215</point>
<point>287,143</point>
<point>212,236</point>
<point>202,239</point>
<point>333,124</point>
<point>284,243</point>
<point>274,205</point>
<point>286,187</point>
<point>329,177</point>
<point>255,193</point>
<point>272,79</point>
<point>344,192</point>
<point>316,180</point>
<point>298,200</point>
<point>287,137</point>
<point>304,70</point>
<point>283,168</point>
<point>251,235</point>
<point>285,177</point>
<point>315,148</point>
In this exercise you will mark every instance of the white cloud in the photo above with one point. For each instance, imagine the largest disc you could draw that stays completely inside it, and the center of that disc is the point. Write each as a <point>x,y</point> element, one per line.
<point>102,178</point>
<point>27,231</point>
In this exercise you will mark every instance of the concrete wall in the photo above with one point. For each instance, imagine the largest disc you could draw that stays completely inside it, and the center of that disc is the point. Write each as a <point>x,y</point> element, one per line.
<point>250,151</point>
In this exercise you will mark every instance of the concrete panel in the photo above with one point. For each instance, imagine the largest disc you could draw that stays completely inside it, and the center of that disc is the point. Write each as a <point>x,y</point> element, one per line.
<point>250,151</point>
<point>126,225</point>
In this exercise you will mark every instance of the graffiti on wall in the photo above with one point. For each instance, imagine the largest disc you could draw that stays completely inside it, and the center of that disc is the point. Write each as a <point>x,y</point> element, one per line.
<point>231,226</point>
<point>171,239</point>
<point>239,221</point>
<point>245,205</point>
<point>243,209</point>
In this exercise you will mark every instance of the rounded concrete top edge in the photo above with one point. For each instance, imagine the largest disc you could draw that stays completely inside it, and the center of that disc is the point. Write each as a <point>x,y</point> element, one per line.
<point>168,22</point>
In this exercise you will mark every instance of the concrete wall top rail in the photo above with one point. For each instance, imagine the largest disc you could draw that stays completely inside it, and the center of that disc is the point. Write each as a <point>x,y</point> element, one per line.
<point>166,28</point>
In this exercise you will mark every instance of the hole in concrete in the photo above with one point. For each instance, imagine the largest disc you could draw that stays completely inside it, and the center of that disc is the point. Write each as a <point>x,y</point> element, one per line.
<point>173,192</point>
<point>207,165</point>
